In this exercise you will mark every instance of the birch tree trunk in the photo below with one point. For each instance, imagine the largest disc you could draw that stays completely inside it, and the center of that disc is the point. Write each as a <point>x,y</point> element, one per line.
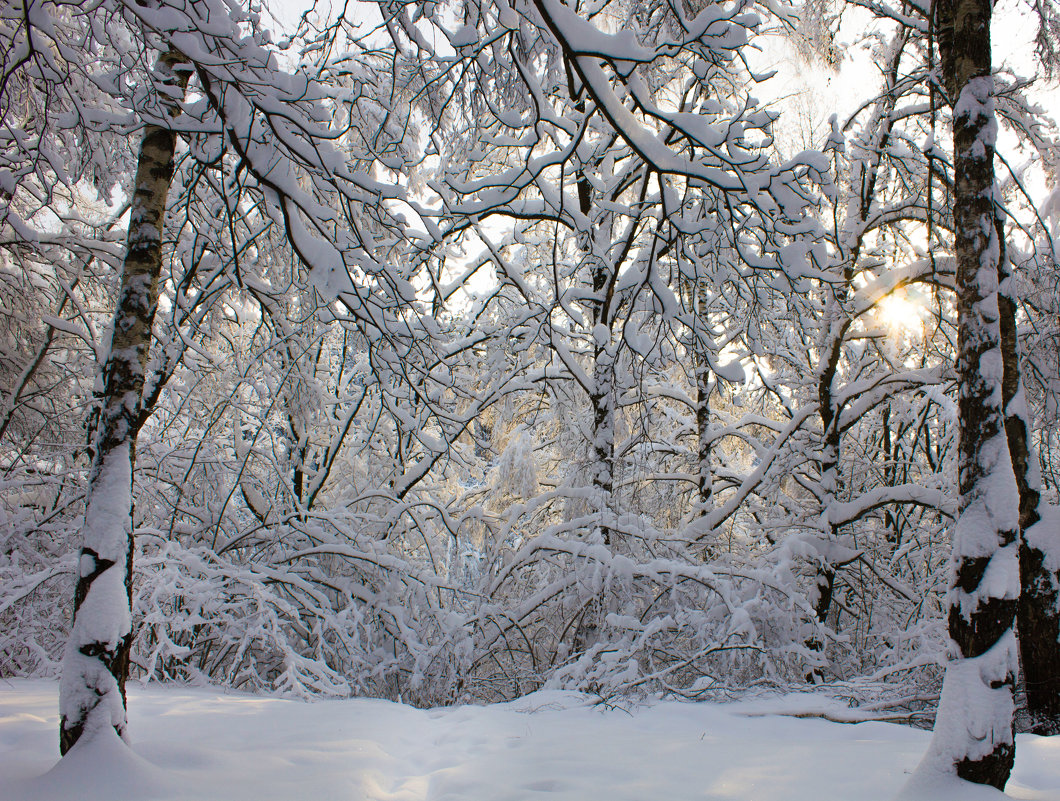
<point>974,734</point>
<point>96,662</point>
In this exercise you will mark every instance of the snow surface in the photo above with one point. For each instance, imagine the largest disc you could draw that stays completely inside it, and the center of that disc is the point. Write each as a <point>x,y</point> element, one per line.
<point>207,744</point>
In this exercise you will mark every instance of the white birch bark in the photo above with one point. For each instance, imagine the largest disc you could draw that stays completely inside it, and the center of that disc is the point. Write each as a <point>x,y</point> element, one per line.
<point>96,662</point>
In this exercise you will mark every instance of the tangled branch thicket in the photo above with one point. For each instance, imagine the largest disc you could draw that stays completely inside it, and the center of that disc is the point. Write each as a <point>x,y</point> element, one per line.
<point>497,349</point>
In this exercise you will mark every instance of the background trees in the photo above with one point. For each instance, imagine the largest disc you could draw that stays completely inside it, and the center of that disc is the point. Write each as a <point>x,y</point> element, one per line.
<point>501,346</point>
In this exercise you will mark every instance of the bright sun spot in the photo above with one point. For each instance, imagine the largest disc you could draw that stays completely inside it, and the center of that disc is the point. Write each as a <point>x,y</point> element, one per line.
<point>902,312</point>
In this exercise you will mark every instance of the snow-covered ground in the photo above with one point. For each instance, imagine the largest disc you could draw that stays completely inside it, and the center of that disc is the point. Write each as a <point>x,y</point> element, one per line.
<point>209,745</point>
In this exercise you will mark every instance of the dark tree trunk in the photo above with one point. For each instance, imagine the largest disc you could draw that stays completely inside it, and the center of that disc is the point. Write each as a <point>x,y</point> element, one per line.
<point>831,485</point>
<point>1038,611</point>
<point>602,397</point>
<point>1039,637</point>
<point>977,696</point>
<point>704,386</point>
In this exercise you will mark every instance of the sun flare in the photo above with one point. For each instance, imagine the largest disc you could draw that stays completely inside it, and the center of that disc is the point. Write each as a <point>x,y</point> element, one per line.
<point>902,312</point>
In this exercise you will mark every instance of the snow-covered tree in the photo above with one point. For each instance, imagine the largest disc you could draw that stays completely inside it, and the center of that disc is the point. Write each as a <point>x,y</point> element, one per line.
<point>974,731</point>
<point>97,656</point>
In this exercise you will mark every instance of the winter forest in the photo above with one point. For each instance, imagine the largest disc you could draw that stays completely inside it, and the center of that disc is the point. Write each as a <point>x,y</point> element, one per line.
<point>448,352</point>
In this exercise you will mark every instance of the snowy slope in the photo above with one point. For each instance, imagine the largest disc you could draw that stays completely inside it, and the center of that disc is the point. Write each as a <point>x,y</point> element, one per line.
<point>203,744</point>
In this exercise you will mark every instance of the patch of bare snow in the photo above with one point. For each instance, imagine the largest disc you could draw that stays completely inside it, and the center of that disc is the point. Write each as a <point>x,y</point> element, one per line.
<point>209,744</point>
